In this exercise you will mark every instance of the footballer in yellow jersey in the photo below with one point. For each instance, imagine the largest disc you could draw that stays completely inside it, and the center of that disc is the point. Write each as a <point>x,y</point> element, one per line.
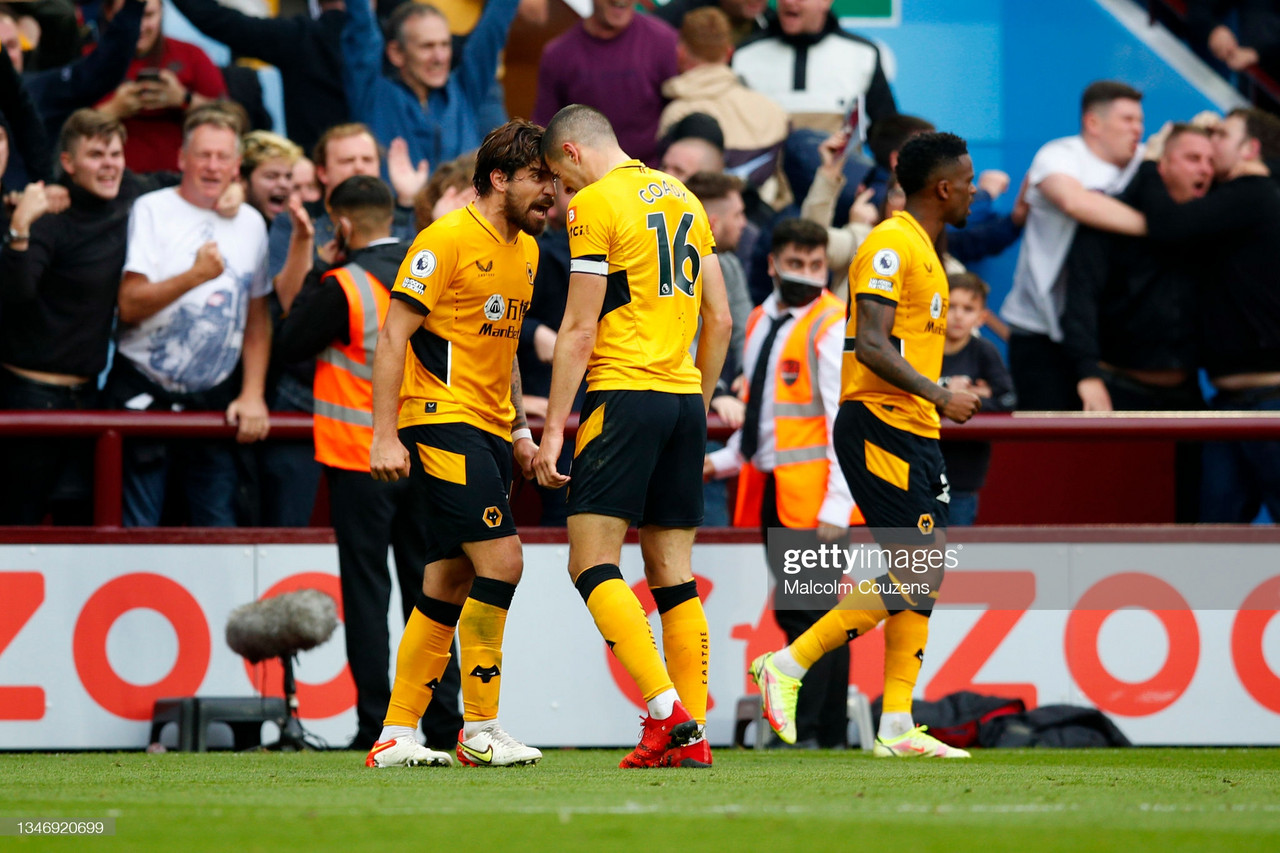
<point>886,434</point>
<point>885,438</point>
<point>445,374</point>
<point>647,234</point>
<point>640,240</point>
<point>642,273</point>
<point>473,288</point>
<point>898,267</point>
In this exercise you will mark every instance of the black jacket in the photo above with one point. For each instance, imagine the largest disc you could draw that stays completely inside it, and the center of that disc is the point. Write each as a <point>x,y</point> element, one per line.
<point>1234,235</point>
<point>320,314</point>
<point>968,461</point>
<point>60,294</point>
<point>58,92</point>
<point>546,308</point>
<point>307,51</point>
<point>1131,301</point>
<point>29,154</point>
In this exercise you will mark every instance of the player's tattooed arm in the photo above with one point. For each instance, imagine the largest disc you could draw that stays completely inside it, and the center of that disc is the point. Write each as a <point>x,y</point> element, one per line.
<point>875,349</point>
<point>522,446</point>
<point>517,397</point>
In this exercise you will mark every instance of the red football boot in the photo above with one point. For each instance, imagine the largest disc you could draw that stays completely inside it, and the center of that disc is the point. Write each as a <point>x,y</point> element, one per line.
<point>694,754</point>
<point>659,736</point>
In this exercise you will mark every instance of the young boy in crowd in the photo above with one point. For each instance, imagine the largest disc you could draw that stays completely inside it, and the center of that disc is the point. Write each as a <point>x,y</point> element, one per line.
<point>971,363</point>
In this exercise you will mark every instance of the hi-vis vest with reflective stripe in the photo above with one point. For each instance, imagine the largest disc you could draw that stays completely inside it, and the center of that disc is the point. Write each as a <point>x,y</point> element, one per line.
<point>344,374</point>
<point>800,426</point>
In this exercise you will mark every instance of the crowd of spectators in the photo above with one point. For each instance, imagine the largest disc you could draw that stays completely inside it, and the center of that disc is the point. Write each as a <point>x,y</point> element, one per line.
<point>157,259</point>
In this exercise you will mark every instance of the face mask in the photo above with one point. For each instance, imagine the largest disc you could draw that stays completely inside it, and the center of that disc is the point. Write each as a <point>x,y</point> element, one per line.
<point>797,291</point>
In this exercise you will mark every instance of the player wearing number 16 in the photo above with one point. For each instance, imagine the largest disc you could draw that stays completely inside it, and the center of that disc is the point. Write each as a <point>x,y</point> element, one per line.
<point>643,271</point>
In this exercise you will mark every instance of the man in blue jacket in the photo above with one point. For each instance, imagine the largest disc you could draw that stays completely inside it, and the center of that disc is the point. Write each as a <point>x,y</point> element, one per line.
<point>431,108</point>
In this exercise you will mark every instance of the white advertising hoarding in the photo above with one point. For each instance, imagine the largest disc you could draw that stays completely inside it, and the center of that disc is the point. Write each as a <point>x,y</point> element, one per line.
<point>92,635</point>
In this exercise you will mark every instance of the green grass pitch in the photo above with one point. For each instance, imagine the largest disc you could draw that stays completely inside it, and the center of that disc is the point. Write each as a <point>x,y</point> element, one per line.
<point>1036,800</point>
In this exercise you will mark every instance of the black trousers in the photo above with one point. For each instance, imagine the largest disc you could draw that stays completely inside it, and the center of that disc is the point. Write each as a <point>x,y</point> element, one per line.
<point>1042,373</point>
<point>32,468</point>
<point>368,516</point>
<point>822,707</point>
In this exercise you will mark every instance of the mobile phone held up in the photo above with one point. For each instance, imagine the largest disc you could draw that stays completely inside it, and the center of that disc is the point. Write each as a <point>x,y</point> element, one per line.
<point>149,75</point>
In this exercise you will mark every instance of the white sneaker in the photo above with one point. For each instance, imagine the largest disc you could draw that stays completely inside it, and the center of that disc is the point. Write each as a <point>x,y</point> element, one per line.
<point>493,747</point>
<point>405,752</point>
<point>916,744</point>
<point>779,694</point>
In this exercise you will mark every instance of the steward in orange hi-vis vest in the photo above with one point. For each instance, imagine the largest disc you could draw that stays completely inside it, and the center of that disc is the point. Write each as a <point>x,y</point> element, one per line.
<point>801,468</point>
<point>344,374</point>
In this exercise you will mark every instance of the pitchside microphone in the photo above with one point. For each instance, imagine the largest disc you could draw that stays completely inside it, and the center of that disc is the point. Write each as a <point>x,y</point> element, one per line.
<point>280,627</point>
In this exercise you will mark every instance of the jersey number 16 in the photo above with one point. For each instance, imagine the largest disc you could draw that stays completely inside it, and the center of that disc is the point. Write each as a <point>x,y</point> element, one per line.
<point>672,256</point>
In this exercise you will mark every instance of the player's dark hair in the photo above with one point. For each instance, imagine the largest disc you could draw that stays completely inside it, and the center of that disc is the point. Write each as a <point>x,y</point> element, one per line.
<point>713,186</point>
<point>1262,126</point>
<point>800,233</point>
<point>576,123</point>
<point>924,155</point>
<point>1104,92</point>
<point>509,148</point>
<point>970,282</point>
<point>890,133</point>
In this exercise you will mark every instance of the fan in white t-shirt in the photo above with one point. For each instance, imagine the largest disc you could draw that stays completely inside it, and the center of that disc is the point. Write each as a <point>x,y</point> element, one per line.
<point>1071,180</point>
<point>192,304</point>
<point>192,299</point>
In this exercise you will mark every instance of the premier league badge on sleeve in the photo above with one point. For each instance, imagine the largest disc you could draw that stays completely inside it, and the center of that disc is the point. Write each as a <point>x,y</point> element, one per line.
<point>886,262</point>
<point>423,264</point>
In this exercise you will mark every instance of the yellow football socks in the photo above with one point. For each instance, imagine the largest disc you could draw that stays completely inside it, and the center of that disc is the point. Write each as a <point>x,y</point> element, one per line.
<point>905,636</point>
<point>421,659</point>
<point>854,616</point>
<point>622,623</point>
<point>685,644</point>
<point>480,629</point>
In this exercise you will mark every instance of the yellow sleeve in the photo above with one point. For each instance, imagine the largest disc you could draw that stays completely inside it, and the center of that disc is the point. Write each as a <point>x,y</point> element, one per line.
<point>589,222</point>
<point>880,265</point>
<point>426,270</point>
<point>703,240</point>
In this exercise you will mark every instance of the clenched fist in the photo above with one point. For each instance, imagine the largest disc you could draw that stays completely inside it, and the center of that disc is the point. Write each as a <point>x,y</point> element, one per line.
<point>960,405</point>
<point>208,264</point>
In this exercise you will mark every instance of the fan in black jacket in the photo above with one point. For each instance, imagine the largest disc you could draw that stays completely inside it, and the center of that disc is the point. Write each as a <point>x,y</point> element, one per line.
<point>307,51</point>
<point>58,287</point>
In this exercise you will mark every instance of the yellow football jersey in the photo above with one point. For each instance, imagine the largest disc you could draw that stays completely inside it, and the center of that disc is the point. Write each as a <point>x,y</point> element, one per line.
<point>474,288</point>
<point>647,234</point>
<point>898,265</point>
